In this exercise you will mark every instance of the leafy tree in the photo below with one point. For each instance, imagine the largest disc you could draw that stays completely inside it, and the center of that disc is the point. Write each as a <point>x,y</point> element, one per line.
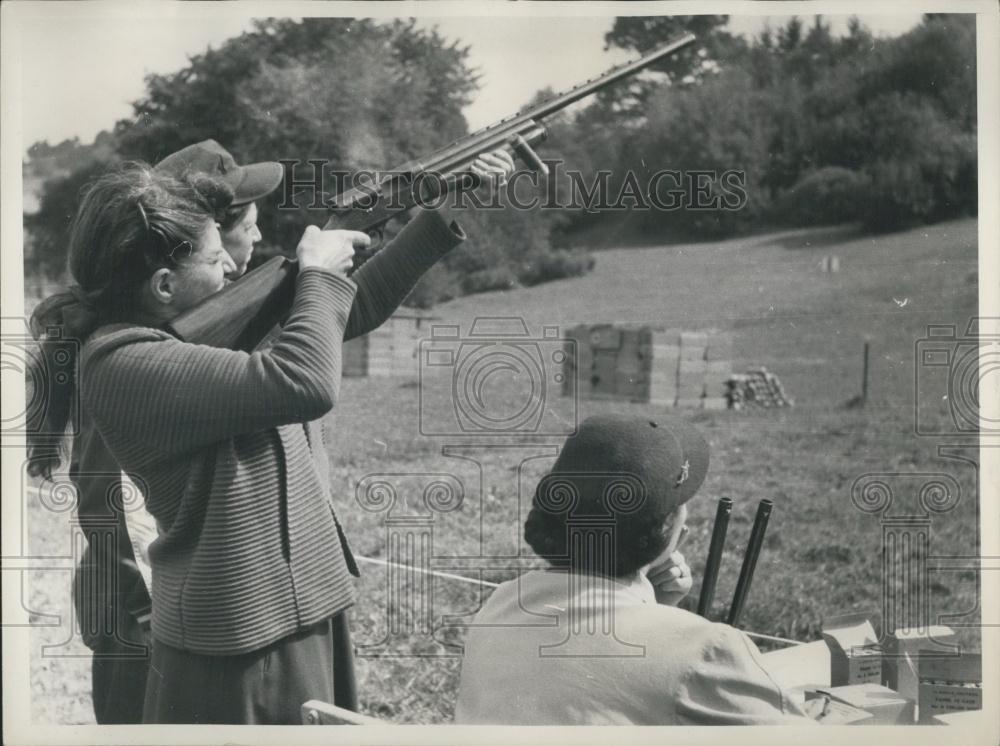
<point>358,94</point>
<point>715,46</point>
<point>48,228</point>
<point>937,61</point>
<point>393,92</point>
<point>722,125</point>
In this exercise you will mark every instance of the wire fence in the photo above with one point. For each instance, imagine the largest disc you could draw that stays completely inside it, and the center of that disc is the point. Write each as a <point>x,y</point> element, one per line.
<point>479,582</point>
<point>490,584</point>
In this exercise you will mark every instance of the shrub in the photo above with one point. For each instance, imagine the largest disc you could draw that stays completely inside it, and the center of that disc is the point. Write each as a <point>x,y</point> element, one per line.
<point>924,168</point>
<point>556,265</point>
<point>829,195</point>
<point>490,278</point>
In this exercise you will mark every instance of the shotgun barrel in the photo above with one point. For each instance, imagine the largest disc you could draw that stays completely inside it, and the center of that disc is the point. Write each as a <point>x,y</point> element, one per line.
<point>750,561</point>
<point>714,556</point>
<point>365,208</point>
<point>243,314</point>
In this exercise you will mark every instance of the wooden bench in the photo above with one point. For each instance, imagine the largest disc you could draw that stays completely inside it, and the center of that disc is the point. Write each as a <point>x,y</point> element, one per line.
<point>315,712</point>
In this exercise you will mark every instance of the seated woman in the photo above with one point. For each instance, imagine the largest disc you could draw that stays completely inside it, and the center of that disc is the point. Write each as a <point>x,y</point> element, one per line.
<point>594,638</point>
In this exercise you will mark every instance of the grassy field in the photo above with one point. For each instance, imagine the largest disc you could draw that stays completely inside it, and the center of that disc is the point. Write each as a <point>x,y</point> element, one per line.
<point>822,555</point>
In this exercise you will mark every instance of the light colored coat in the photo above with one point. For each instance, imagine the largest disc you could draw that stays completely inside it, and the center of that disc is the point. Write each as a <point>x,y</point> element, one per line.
<point>631,661</point>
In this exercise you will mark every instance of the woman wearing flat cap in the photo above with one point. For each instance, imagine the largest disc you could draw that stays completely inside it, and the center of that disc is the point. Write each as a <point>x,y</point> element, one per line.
<point>238,221</point>
<point>594,639</point>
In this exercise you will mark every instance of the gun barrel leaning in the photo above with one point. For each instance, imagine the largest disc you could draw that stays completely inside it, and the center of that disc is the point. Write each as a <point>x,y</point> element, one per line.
<point>714,560</point>
<point>750,561</point>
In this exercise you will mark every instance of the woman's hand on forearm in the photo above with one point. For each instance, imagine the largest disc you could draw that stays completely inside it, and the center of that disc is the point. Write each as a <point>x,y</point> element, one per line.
<point>494,168</point>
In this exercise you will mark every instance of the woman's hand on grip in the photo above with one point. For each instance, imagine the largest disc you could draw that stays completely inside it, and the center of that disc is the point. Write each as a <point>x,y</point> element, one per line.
<point>330,250</point>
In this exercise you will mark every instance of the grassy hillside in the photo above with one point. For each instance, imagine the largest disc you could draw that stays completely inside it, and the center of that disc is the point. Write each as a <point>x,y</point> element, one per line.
<point>805,325</point>
<point>822,556</point>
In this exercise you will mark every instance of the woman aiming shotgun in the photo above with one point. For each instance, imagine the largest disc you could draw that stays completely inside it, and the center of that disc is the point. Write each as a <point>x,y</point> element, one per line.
<point>251,570</point>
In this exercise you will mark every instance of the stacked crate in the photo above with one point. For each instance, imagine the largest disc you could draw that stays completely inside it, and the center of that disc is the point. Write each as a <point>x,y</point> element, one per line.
<point>666,367</point>
<point>389,350</point>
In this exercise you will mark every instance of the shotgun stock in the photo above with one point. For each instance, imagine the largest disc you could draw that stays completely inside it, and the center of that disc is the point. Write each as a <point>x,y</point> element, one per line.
<point>240,315</point>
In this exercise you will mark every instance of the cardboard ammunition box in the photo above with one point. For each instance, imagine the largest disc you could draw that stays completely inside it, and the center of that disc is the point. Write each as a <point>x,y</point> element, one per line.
<point>886,706</point>
<point>840,713</point>
<point>900,655</point>
<point>947,685</point>
<point>855,656</point>
<point>967,718</point>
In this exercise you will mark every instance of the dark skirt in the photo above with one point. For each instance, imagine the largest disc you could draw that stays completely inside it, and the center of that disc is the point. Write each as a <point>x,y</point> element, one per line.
<point>264,687</point>
<point>119,670</point>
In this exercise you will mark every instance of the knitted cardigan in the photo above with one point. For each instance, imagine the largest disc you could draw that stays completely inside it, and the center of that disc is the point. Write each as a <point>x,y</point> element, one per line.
<point>229,451</point>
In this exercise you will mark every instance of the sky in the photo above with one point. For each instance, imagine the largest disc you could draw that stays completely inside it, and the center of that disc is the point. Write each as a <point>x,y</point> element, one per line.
<point>82,69</point>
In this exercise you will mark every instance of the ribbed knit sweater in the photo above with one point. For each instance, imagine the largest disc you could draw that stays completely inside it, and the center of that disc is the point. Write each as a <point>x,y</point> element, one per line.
<point>228,447</point>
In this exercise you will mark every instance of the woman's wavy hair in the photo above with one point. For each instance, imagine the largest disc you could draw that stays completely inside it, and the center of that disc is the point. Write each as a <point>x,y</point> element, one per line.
<point>130,223</point>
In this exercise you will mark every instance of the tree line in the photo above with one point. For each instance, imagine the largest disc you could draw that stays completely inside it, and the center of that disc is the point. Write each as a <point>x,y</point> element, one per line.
<point>821,129</point>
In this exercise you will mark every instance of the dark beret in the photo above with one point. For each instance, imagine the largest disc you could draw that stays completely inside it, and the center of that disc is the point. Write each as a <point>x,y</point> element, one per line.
<point>632,471</point>
<point>665,458</point>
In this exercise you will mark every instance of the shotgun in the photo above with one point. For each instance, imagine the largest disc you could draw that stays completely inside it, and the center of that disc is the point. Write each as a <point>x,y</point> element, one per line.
<point>749,561</point>
<point>241,314</point>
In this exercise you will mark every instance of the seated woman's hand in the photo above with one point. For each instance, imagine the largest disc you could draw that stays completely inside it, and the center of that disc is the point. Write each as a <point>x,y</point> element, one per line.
<point>494,168</point>
<point>330,250</point>
<point>671,578</point>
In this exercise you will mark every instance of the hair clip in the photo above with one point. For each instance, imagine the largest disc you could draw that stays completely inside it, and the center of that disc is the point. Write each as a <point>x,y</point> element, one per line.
<point>190,251</point>
<point>142,211</point>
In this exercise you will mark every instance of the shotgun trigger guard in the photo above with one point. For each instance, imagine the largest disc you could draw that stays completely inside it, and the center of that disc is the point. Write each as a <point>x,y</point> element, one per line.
<point>377,235</point>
